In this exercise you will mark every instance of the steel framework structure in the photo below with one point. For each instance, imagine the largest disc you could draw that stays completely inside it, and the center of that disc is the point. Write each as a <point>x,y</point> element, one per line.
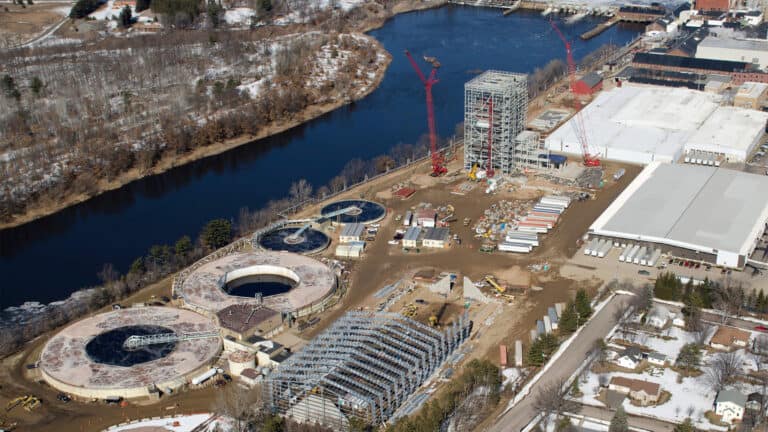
<point>495,105</point>
<point>364,366</point>
<point>529,152</point>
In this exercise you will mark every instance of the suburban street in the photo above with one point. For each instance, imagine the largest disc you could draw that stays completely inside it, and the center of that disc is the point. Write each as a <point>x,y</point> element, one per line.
<point>598,327</point>
<point>634,421</point>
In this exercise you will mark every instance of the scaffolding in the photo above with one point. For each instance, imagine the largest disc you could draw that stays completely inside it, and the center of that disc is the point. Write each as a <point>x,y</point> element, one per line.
<point>529,153</point>
<point>364,366</point>
<point>506,94</point>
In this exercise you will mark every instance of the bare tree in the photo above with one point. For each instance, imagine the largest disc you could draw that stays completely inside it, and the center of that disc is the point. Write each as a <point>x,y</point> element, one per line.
<point>551,399</point>
<point>338,183</point>
<point>243,405</point>
<point>300,190</point>
<point>723,370</point>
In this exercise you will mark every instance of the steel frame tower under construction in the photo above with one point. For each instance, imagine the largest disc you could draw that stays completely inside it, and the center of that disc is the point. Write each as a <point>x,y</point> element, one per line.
<point>507,94</point>
<point>364,366</point>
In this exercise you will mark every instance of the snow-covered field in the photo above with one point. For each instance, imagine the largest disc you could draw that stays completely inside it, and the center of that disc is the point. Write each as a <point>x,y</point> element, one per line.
<point>178,424</point>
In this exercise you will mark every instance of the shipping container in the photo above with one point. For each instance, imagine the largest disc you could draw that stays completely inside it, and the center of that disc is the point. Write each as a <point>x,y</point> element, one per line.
<point>549,222</point>
<point>551,216</point>
<point>547,324</point>
<point>640,254</point>
<point>619,174</point>
<point>203,377</point>
<point>557,201</point>
<point>516,239</point>
<point>540,329</point>
<point>532,229</point>
<point>515,247</point>
<point>503,355</point>
<point>528,220</point>
<point>546,210</point>
<point>519,353</point>
<point>560,208</point>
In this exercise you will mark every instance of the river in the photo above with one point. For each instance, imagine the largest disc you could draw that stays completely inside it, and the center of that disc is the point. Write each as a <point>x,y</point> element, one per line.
<point>47,259</point>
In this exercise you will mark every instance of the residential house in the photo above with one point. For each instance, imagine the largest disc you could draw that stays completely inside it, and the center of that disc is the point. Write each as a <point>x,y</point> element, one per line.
<point>726,338</point>
<point>657,359</point>
<point>658,317</point>
<point>643,392</point>
<point>730,405</point>
<point>629,358</point>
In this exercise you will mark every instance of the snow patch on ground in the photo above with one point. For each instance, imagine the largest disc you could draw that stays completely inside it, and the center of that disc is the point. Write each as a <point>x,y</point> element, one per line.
<point>511,375</point>
<point>178,424</point>
<point>239,16</point>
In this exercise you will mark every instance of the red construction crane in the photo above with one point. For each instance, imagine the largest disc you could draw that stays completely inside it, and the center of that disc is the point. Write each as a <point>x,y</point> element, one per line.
<point>438,167</point>
<point>581,133</point>
<point>489,169</point>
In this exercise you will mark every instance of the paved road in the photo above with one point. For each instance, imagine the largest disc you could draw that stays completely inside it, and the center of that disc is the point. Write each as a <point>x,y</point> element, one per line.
<point>598,327</point>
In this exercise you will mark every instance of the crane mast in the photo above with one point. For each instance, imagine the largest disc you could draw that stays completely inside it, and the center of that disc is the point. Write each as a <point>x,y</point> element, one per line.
<point>578,124</point>
<point>438,162</point>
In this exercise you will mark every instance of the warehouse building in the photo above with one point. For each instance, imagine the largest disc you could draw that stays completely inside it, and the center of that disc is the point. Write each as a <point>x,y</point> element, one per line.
<point>693,212</point>
<point>738,50</point>
<point>751,95</point>
<point>644,124</point>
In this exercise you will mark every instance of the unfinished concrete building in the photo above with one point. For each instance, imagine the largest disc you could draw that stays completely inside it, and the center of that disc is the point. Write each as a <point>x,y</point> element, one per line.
<point>495,105</point>
<point>364,366</point>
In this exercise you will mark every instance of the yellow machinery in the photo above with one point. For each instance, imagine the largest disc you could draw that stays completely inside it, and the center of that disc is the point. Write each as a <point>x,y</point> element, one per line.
<point>29,402</point>
<point>493,283</point>
<point>433,321</point>
<point>473,172</point>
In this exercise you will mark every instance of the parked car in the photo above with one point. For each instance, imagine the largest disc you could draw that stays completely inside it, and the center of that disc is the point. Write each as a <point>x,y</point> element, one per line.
<point>761,328</point>
<point>644,272</point>
<point>63,397</point>
<point>116,306</point>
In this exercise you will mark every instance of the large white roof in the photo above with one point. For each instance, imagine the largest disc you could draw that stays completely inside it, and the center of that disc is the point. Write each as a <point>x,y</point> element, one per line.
<point>640,124</point>
<point>702,208</point>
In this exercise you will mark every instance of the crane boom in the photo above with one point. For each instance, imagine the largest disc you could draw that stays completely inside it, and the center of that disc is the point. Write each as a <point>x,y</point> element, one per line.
<point>578,123</point>
<point>438,167</point>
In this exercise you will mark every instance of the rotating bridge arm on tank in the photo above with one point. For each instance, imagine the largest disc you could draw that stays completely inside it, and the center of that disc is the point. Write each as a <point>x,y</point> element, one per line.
<point>136,341</point>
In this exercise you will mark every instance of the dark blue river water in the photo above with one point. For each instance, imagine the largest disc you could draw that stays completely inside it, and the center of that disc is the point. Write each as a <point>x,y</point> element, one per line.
<point>47,259</point>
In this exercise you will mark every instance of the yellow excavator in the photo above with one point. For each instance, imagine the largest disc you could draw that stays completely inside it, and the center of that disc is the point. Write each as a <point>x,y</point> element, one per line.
<point>493,283</point>
<point>472,175</point>
<point>29,403</point>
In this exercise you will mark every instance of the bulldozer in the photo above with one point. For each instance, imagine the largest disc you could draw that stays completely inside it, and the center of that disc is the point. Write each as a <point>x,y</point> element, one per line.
<point>434,320</point>
<point>29,403</point>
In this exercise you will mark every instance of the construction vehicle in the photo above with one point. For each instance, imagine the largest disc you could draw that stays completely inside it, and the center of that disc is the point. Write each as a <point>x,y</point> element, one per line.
<point>438,161</point>
<point>434,320</point>
<point>578,123</point>
<point>472,174</point>
<point>13,403</point>
<point>31,403</point>
<point>495,285</point>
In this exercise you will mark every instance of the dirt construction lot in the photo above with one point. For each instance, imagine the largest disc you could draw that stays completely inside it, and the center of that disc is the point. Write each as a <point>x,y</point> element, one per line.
<point>501,321</point>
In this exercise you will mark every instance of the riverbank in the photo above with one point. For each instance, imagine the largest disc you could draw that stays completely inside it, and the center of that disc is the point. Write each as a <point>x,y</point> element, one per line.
<point>50,205</point>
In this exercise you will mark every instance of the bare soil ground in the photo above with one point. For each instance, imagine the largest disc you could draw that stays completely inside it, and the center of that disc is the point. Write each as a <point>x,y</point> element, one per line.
<point>20,24</point>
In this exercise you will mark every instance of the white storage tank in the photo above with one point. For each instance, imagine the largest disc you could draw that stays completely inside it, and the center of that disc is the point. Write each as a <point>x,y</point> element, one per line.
<point>240,361</point>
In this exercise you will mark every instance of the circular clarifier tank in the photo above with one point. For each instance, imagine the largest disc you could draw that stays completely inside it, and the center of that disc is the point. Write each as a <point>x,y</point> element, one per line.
<point>361,211</point>
<point>285,240</point>
<point>264,284</point>
<point>108,347</point>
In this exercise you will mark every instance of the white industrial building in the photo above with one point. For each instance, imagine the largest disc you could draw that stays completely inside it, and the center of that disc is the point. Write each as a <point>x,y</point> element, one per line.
<point>730,49</point>
<point>644,124</point>
<point>695,212</point>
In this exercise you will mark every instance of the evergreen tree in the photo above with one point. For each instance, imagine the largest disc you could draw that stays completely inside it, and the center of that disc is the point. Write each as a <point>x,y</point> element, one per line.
<point>137,266</point>
<point>264,6</point>
<point>619,421</point>
<point>760,302</point>
<point>214,13</point>
<point>536,353</point>
<point>569,321</point>
<point>182,247</point>
<point>142,5</point>
<point>83,8</point>
<point>36,85</point>
<point>689,357</point>
<point>9,87</point>
<point>686,426</point>
<point>583,306</point>
<point>216,233</point>
<point>692,312</point>
<point>126,17</point>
